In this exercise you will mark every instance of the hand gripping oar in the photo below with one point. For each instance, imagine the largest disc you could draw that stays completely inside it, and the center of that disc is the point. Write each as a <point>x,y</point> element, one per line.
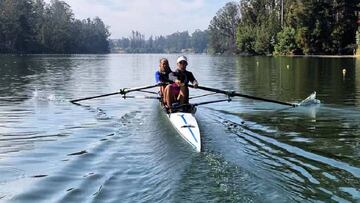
<point>236,94</point>
<point>121,91</point>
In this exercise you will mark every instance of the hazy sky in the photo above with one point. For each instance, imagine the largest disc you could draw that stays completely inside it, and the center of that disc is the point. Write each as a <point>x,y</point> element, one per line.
<point>150,17</point>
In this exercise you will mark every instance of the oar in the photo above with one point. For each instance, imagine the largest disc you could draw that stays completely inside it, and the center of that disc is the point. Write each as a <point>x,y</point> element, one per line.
<point>127,90</point>
<point>233,94</point>
<point>141,97</point>
<point>121,91</point>
<point>93,97</point>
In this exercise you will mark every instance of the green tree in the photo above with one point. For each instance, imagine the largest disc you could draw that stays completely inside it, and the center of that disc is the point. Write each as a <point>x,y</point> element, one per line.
<point>32,26</point>
<point>199,41</point>
<point>286,42</point>
<point>323,27</point>
<point>343,34</point>
<point>263,39</point>
<point>246,37</point>
<point>259,25</point>
<point>98,36</point>
<point>57,29</point>
<point>173,43</point>
<point>38,24</point>
<point>317,27</point>
<point>223,27</point>
<point>177,41</point>
<point>16,29</point>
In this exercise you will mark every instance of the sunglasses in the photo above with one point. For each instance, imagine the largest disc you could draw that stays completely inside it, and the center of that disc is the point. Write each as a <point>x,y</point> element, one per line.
<point>183,62</point>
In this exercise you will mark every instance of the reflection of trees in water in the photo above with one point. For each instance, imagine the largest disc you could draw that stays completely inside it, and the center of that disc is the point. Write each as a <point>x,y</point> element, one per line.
<point>90,73</point>
<point>223,72</point>
<point>357,81</point>
<point>22,75</point>
<point>289,78</point>
<point>324,75</point>
<point>16,72</point>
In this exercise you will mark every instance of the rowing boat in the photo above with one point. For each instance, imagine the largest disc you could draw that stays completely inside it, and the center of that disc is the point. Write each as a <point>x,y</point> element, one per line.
<point>183,118</point>
<point>186,125</point>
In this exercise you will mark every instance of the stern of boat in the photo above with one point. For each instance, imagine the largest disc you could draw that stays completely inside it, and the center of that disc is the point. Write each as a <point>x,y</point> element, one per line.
<point>187,126</point>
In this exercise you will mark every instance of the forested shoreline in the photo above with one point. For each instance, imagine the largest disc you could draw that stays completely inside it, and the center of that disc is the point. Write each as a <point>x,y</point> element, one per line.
<point>174,43</point>
<point>284,27</point>
<point>263,27</point>
<point>246,27</point>
<point>35,27</point>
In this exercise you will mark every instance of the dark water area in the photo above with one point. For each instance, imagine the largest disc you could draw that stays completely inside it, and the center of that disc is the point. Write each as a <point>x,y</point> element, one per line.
<point>115,150</point>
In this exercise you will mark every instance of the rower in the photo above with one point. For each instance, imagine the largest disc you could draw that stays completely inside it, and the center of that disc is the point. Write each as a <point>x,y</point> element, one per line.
<point>162,75</point>
<point>178,91</point>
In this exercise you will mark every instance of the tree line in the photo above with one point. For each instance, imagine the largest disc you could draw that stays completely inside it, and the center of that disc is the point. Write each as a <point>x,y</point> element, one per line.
<point>261,27</point>
<point>254,27</point>
<point>33,26</point>
<point>173,43</point>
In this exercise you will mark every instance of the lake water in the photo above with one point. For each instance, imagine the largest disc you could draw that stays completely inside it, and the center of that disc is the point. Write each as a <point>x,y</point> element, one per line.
<point>115,150</point>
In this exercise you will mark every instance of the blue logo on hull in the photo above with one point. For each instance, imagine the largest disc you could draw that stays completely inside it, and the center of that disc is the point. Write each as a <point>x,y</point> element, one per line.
<point>188,127</point>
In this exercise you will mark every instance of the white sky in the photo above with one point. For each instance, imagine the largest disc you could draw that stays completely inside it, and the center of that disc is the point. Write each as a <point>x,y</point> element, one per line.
<point>150,17</point>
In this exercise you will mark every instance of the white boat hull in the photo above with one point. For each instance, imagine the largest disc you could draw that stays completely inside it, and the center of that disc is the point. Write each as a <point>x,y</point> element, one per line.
<point>187,127</point>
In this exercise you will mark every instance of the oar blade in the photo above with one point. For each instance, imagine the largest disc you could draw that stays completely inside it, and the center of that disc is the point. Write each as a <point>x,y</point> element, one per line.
<point>310,100</point>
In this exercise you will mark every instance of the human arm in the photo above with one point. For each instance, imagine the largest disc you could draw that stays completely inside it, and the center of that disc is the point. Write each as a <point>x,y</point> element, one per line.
<point>193,80</point>
<point>172,77</point>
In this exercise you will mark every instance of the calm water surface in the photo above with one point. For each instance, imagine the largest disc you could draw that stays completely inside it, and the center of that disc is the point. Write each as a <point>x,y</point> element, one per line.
<point>115,150</point>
